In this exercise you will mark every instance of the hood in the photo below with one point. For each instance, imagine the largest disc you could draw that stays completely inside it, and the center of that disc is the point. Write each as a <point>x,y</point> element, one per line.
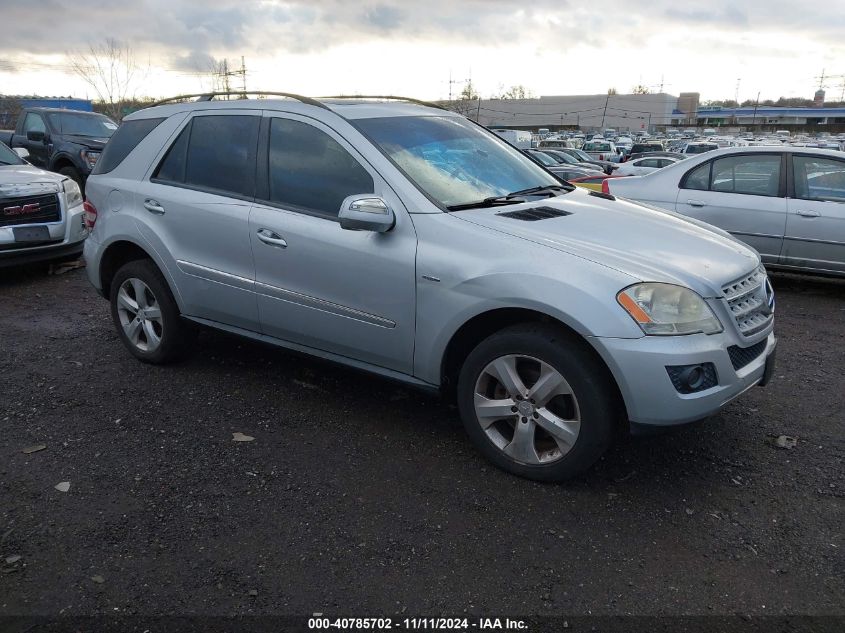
<point>92,143</point>
<point>647,244</point>
<point>15,177</point>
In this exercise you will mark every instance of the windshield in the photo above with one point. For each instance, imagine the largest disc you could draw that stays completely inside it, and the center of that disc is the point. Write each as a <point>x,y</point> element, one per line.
<point>83,124</point>
<point>8,157</point>
<point>596,147</point>
<point>584,156</point>
<point>452,160</point>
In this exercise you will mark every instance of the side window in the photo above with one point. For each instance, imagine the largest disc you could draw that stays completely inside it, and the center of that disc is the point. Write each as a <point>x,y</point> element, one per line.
<point>698,178</point>
<point>127,137</point>
<point>34,123</point>
<point>819,178</point>
<point>214,152</point>
<point>648,162</point>
<point>757,175</point>
<point>309,169</point>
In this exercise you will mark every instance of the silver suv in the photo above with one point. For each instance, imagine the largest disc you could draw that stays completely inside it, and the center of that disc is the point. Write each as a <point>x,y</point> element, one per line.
<point>406,240</point>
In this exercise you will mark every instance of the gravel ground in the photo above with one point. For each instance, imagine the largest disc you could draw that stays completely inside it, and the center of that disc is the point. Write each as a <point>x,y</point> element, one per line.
<point>358,496</point>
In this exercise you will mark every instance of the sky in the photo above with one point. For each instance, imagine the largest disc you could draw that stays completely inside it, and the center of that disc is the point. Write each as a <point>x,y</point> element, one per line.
<point>720,49</point>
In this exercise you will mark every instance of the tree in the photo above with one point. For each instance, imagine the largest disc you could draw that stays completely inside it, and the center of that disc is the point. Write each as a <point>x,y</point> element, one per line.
<point>111,71</point>
<point>611,91</point>
<point>516,92</point>
<point>468,103</point>
<point>640,89</point>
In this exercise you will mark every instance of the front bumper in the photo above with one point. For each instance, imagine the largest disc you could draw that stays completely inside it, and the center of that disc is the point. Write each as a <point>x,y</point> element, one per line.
<point>66,240</point>
<point>639,366</point>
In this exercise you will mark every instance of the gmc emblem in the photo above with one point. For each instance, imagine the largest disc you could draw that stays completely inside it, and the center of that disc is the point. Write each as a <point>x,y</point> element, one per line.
<point>22,210</point>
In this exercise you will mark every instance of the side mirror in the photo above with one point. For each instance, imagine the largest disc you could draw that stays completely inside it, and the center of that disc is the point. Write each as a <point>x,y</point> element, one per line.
<point>366,212</point>
<point>35,135</point>
<point>22,152</point>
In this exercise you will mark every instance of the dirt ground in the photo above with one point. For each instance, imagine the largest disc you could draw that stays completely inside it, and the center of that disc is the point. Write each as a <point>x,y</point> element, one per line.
<point>358,496</point>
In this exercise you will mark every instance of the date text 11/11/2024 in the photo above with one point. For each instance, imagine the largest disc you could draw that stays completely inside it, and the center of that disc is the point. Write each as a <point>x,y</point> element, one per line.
<point>420,624</point>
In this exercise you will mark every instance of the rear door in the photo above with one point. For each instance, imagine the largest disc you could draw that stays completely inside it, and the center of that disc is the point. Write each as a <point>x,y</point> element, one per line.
<point>744,194</point>
<point>815,224</point>
<point>195,212</point>
<point>351,293</point>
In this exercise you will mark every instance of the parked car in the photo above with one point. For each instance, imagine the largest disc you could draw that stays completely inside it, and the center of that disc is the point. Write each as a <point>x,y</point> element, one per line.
<point>698,148</point>
<point>564,172</point>
<point>674,155</point>
<point>583,157</point>
<point>410,242</point>
<point>41,214</point>
<point>645,165</point>
<point>602,150</point>
<point>565,159</point>
<point>518,138</point>
<point>788,203</point>
<point>638,149</point>
<point>68,142</point>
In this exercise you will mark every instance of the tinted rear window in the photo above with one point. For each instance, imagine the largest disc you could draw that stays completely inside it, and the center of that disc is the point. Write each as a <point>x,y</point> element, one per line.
<point>596,147</point>
<point>215,153</point>
<point>127,137</point>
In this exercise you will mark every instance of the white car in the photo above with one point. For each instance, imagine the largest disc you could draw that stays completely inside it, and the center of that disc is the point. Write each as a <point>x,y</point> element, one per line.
<point>786,202</point>
<point>644,165</point>
<point>41,213</point>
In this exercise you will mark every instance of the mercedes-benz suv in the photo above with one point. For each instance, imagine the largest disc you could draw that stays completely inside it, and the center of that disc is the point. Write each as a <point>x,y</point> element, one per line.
<point>406,240</point>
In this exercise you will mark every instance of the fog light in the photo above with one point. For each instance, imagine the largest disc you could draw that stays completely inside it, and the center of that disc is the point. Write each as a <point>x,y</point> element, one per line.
<point>692,378</point>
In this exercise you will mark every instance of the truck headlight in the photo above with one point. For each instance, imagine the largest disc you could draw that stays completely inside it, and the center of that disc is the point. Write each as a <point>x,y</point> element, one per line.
<point>73,196</point>
<point>666,310</point>
<point>90,157</point>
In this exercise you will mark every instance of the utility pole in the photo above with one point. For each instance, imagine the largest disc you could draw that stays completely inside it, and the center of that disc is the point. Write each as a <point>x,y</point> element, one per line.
<point>606,101</point>
<point>754,117</point>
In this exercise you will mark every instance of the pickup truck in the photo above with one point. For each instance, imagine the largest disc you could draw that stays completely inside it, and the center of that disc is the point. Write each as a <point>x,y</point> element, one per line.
<point>65,141</point>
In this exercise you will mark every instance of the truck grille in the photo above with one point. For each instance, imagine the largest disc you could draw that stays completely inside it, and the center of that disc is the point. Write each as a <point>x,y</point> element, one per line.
<point>751,301</point>
<point>30,210</point>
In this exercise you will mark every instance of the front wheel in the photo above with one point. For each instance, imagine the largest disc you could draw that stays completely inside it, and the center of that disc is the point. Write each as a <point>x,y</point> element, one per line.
<point>146,314</point>
<point>537,402</point>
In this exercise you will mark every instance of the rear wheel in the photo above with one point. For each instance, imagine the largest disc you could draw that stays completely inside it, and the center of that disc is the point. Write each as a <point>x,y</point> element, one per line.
<point>537,402</point>
<point>146,315</point>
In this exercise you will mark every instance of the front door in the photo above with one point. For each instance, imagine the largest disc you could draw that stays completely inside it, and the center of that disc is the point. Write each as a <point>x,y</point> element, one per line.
<point>37,149</point>
<point>815,224</point>
<point>346,292</point>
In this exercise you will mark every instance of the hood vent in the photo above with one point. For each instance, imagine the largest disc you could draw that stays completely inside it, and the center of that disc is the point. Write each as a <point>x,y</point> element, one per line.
<point>535,213</point>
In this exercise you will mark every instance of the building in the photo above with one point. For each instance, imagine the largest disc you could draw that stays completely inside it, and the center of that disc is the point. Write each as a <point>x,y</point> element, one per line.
<point>627,113</point>
<point>632,112</point>
<point>10,105</point>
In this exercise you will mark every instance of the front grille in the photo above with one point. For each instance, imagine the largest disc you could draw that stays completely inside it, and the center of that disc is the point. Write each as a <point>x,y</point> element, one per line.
<point>742,356</point>
<point>535,213</point>
<point>30,210</point>
<point>751,302</point>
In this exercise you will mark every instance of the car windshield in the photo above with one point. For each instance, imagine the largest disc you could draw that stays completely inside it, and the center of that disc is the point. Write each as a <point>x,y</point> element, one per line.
<point>597,147</point>
<point>79,124</point>
<point>452,160</point>
<point>8,157</point>
<point>584,156</point>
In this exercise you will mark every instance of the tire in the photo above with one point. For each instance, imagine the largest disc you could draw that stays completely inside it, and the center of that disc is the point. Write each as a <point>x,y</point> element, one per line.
<point>73,174</point>
<point>160,335</point>
<point>567,432</point>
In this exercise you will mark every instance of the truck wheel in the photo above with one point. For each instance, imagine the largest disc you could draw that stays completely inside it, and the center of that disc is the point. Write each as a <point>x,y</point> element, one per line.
<point>146,315</point>
<point>537,402</point>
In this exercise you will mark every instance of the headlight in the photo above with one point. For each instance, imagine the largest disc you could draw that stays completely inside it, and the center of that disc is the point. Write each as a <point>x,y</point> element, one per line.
<point>666,310</point>
<point>90,157</point>
<point>73,196</point>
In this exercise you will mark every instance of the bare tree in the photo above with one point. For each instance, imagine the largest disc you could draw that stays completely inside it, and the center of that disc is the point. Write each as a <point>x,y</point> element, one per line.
<point>111,70</point>
<point>468,104</point>
<point>640,89</point>
<point>611,91</point>
<point>516,92</point>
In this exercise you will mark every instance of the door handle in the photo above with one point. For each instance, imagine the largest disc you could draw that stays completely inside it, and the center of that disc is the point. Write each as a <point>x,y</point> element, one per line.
<point>696,203</point>
<point>272,238</point>
<point>808,213</point>
<point>153,206</point>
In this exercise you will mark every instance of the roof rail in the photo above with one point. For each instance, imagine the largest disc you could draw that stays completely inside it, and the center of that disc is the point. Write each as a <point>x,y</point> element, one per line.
<point>428,104</point>
<point>208,96</point>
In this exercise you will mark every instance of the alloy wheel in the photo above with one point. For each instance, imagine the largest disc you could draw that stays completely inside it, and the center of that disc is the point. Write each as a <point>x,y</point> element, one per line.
<point>140,315</point>
<point>527,409</point>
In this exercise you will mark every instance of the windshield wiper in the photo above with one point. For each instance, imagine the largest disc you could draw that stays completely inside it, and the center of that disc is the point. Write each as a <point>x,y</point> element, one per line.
<point>510,198</point>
